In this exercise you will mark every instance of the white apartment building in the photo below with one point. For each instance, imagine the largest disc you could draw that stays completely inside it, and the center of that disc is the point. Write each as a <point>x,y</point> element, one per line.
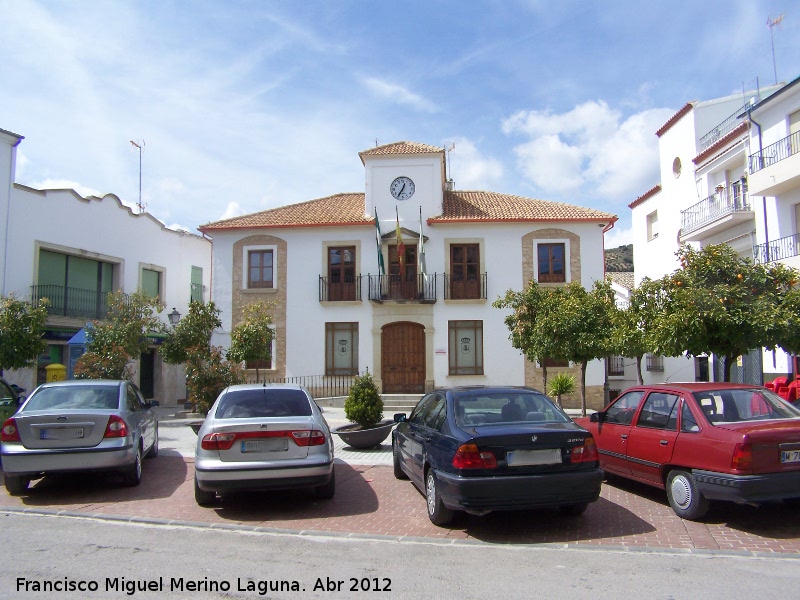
<point>72,250</point>
<point>706,196</point>
<point>425,319</point>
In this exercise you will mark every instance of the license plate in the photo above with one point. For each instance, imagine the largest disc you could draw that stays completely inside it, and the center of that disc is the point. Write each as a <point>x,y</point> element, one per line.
<point>273,445</point>
<point>521,458</point>
<point>71,433</point>
<point>790,456</point>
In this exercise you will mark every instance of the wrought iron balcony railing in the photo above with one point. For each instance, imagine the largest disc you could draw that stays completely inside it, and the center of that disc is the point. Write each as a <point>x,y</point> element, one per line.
<point>459,288</point>
<point>785,247</point>
<point>721,130</point>
<point>724,202</point>
<point>654,363</point>
<point>71,302</point>
<point>338,289</point>
<point>776,152</point>
<point>421,288</point>
<point>616,366</point>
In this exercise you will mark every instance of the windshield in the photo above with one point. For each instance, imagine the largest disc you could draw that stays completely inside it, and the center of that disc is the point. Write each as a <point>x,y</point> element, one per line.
<point>74,397</point>
<point>506,407</point>
<point>263,402</point>
<point>750,404</point>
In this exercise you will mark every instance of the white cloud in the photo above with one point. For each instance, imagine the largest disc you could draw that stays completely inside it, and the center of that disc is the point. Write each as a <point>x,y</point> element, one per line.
<point>398,94</point>
<point>591,148</point>
<point>618,236</point>
<point>470,169</point>
<point>232,210</point>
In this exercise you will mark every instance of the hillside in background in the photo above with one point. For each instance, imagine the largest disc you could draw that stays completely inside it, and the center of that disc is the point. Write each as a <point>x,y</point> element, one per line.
<point>619,259</point>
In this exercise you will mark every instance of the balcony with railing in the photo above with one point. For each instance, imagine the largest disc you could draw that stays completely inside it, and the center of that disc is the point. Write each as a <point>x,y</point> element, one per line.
<point>340,289</point>
<point>654,363</point>
<point>721,130</point>
<point>727,207</point>
<point>615,366</point>
<point>780,249</point>
<point>420,288</point>
<point>71,302</point>
<point>776,168</point>
<point>460,288</point>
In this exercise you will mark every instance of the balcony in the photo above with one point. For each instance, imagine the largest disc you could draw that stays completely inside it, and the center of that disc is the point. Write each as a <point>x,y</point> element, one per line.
<point>421,289</point>
<point>654,363</point>
<point>71,302</point>
<point>334,289</point>
<point>615,366</point>
<point>471,288</point>
<point>725,209</point>
<point>781,249</point>
<point>721,130</point>
<point>775,169</point>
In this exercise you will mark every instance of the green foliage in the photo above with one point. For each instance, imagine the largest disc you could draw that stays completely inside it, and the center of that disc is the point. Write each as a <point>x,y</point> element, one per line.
<point>192,331</point>
<point>562,384</point>
<point>364,404</point>
<point>21,327</point>
<point>721,303</point>
<point>619,259</point>
<point>207,374</point>
<point>189,343</point>
<point>633,325</point>
<point>119,338</point>
<point>252,338</point>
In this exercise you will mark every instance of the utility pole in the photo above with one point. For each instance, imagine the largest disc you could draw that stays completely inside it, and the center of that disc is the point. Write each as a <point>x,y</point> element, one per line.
<point>139,147</point>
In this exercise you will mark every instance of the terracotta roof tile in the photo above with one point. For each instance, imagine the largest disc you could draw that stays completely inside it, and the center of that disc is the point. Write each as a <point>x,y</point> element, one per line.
<point>459,206</point>
<point>675,118</point>
<point>648,194</point>
<point>717,147</point>
<point>623,278</point>
<point>400,148</point>
<point>339,209</point>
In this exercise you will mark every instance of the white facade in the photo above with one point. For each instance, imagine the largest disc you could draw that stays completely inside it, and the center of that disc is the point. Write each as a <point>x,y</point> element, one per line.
<point>503,239</point>
<point>56,224</point>
<point>706,196</point>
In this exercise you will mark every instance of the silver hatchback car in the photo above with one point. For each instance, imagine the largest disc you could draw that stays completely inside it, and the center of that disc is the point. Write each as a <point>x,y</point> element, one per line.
<point>263,437</point>
<point>79,425</point>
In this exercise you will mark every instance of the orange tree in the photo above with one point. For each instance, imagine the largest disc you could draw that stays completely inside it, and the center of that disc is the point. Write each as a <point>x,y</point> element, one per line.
<point>21,326</point>
<point>251,340</point>
<point>720,303</point>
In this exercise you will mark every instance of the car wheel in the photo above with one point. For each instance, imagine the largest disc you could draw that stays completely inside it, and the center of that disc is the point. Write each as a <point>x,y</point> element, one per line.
<point>202,497</point>
<point>153,452</point>
<point>574,510</point>
<point>16,484</point>
<point>438,513</point>
<point>684,497</point>
<point>326,491</point>
<point>398,470</point>
<point>132,476</point>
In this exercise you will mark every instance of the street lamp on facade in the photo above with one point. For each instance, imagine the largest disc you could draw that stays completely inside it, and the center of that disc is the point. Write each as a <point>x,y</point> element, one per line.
<point>174,316</point>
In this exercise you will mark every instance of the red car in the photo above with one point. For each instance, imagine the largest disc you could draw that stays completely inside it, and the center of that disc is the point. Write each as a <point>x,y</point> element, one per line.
<point>702,442</point>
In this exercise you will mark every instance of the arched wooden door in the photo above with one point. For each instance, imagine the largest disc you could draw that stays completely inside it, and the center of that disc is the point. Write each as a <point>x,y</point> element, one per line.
<point>403,358</point>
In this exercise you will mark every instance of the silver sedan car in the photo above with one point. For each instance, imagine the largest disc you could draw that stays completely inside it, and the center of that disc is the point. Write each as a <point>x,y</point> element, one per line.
<point>78,425</point>
<point>263,437</point>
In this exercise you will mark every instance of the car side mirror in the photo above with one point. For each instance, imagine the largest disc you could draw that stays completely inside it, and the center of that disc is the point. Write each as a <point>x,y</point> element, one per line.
<point>596,417</point>
<point>152,403</point>
<point>400,417</point>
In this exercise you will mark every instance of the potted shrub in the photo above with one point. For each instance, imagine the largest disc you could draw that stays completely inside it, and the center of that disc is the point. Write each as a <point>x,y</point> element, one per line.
<point>562,384</point>
<point>364,408</point>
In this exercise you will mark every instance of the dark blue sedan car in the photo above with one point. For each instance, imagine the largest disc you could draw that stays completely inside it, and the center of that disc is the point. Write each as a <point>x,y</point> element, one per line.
<point>479,449</point>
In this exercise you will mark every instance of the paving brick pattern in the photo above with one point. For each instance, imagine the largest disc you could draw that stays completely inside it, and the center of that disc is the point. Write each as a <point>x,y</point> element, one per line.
<point>369,500</point>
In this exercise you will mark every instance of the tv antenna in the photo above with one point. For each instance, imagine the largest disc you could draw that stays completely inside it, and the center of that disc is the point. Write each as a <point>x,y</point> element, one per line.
<point>772,23</point>
<point>139,146</point>
<point>450,184</point>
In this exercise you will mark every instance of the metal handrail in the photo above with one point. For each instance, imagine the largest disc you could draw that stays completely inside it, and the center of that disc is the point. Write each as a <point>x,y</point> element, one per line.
<point>724,202</point>
<point>421,288</point>
<point>457,288</point>
<point>338,290</point>
<point>785,247</point>
<point>776,152</point>
<point>721,130</point>
<point>71,302</point>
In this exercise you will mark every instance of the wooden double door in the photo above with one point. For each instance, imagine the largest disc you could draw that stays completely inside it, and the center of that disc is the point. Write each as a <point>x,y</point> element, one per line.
<point>403,358</point>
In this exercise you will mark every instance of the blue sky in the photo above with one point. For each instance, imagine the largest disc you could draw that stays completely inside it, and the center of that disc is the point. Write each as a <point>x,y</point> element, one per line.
<point>248,105</point>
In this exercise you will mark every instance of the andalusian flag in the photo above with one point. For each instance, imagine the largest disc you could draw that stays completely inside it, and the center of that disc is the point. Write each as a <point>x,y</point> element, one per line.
<point>381,267</point>
<point>421,268</point>
<point>401,248</point>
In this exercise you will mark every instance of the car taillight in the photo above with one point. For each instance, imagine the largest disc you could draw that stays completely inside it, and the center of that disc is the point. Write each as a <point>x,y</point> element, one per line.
<point>116,427</point>
<point>585,453</point>
<point>9,433</point>
<point>218,441</point>
<point>742,457</point>
<point>308,438</point>
<point>469,457</point>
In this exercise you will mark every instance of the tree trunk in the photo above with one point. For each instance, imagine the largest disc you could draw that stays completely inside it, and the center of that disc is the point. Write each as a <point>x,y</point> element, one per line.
<point>639,369</point>
<point>726,368</point>
<point>544,375</point>
<point>583,387</point>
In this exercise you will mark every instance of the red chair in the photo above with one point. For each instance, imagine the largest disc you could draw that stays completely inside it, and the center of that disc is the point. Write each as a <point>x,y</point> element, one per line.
<point>777,383</point>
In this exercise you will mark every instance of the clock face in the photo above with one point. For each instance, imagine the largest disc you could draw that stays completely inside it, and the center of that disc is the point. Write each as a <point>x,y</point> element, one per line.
<point>402,188</point>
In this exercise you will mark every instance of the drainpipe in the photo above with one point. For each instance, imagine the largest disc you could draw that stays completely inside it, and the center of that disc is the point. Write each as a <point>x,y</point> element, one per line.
<point>763,198</point>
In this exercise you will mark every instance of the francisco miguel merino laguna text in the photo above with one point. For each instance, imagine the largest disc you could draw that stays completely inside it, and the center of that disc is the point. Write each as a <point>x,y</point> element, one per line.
<point>173,584</point>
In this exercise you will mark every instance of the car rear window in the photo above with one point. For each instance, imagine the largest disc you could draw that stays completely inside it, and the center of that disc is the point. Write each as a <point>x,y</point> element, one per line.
<point>518,407</point>
<point>248,404</point>
<point>754,404</point>
<point>74,397</point>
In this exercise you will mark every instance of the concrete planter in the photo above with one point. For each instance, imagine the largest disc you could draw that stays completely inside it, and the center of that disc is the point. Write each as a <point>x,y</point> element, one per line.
<point>362,439</point>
